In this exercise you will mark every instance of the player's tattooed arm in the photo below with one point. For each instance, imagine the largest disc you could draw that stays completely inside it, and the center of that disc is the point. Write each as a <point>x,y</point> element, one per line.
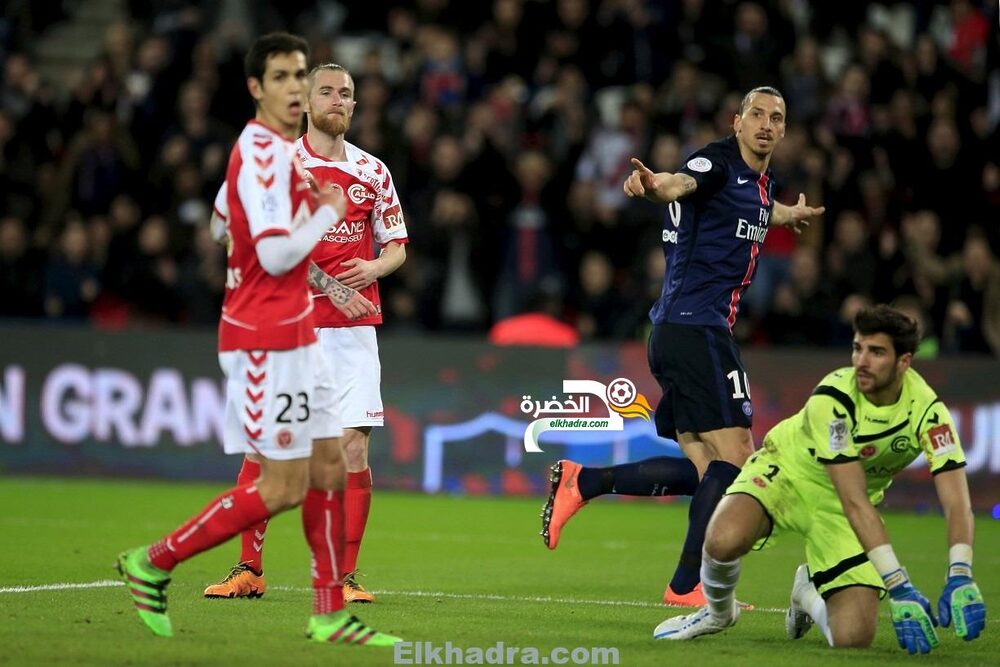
<point>327,284</point>
<point>672,187</point>
<point>347,300</point>
<point>685,185</point>
<point>662,187</point>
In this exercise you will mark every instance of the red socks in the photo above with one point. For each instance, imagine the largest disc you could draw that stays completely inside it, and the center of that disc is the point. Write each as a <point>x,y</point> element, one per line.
<point>225,516</point>
<point>323,521</point>
<point>357,502</point>
<point>252,538</point>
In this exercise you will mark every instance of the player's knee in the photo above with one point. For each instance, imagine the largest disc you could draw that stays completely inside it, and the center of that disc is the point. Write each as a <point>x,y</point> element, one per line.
<point>282,495</point>
<point>723,543</point>
<point>355,446</point>
<point>295,496</point>
<point>738,451</point>
<point>853,635</point>
<point>734,445</point>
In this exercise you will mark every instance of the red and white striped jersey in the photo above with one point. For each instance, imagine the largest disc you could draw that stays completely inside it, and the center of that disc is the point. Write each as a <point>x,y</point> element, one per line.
<point>373,216</point>
<point>266,194</point>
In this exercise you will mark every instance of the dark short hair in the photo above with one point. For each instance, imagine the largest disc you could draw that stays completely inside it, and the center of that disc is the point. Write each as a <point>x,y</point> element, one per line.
<point>767,90</point>
<point>904,332</point>
<point>266,46</point>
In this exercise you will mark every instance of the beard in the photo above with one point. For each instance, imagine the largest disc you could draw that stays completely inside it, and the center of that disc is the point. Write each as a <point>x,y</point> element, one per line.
<point>879,384</point>
<point>331,125</point>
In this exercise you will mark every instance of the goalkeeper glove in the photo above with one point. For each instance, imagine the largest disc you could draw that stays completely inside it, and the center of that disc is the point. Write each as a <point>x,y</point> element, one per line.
<point>911,614</point>
<point>962,601</point>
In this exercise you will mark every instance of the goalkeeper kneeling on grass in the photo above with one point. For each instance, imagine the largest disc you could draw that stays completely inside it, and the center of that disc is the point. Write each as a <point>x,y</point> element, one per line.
<point>820,474</point>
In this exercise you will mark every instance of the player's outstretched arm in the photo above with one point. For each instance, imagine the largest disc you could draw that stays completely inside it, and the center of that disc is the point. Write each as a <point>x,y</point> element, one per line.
<point>961,602</point>
<point>360,273</point>
<point>795,217</point>
<point>911,610</point>
<point>662,187</point>
<point>347,300</point>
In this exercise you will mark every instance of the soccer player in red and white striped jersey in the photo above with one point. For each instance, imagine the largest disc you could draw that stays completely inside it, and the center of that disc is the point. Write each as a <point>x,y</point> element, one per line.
<point>345,254</point>
<point>279,394</point>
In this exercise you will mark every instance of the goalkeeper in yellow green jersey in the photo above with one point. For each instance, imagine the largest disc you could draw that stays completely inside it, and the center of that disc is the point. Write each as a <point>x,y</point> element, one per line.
<point>820,473</point>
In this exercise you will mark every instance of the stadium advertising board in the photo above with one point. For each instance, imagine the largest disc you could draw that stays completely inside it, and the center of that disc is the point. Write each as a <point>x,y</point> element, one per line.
<point>149,404</point>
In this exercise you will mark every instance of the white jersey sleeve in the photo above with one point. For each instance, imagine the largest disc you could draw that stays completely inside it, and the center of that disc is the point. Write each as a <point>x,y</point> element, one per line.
<point>264,188</point>
<point>387,214</point>
<point>279,253</point>
<point>220,214</point>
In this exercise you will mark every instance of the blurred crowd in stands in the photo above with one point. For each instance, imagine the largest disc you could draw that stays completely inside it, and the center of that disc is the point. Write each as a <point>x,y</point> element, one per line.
<point>508,125</point>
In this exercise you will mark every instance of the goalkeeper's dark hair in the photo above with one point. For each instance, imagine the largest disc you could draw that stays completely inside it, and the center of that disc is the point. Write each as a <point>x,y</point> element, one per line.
<point>902,329</point>
<point>766,90</point>
<point>266,46</point>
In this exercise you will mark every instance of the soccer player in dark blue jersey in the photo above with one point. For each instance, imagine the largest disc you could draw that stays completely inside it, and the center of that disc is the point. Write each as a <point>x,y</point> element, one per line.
<point>720,206</point>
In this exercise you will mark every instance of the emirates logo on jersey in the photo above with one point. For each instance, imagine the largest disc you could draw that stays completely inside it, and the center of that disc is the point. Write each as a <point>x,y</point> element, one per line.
<point>359,194</point>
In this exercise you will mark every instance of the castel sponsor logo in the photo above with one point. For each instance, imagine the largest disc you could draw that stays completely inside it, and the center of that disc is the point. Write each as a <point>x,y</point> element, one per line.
<point>359,194</point>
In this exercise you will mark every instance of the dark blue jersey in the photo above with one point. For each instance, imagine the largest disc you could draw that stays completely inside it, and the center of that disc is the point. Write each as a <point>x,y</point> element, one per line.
<point>711,239</point>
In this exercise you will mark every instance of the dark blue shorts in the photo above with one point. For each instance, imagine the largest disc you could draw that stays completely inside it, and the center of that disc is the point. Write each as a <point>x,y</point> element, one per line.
<point>705,386</point>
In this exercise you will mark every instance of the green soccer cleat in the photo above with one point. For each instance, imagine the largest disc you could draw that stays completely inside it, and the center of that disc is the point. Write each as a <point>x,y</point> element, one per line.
<point>343,628</point>
<point>147,585</point>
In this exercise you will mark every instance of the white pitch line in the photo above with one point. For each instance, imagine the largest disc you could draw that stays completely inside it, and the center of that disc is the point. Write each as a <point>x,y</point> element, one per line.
<point>545,600</point>
<point>111,583</point>
<point>100,583</point>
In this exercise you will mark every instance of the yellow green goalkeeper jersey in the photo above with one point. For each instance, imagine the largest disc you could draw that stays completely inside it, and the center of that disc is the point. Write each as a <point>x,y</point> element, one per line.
<point>838,424</point>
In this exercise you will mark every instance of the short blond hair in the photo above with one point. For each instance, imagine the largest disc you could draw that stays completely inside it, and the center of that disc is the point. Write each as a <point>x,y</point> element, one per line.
<point>327,67</point>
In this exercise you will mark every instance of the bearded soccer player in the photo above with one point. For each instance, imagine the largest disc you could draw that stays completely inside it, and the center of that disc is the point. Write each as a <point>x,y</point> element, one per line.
<point>719,208</point>
<point>279,395</point>
<point>345,256</point>
<point>820,474</point>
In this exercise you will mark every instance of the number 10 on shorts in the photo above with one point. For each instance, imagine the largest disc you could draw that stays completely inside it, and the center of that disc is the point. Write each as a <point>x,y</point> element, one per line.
<point>739,391</point>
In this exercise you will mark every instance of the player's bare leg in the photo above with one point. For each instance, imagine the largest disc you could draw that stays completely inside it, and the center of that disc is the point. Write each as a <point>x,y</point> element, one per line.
<point>737,524</point>
<point>357,504</point>
<point>718,456</point>
<point>853,617</point>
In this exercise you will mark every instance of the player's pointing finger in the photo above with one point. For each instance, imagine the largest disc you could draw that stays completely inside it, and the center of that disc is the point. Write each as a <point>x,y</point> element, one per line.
<point>639,165</point>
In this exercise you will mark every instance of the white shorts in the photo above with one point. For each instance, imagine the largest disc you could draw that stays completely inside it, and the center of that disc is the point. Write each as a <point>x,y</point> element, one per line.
<point>352,353</point>
<point>277,402</point>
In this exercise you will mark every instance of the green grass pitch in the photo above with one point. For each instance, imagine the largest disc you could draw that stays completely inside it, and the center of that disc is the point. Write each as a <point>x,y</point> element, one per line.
<point>470,571</point>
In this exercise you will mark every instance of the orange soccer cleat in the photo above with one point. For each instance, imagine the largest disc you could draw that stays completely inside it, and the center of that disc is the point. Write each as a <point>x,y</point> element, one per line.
<point>241,582</point>
<point>694,598</point>
<point>354,591</point>
<point>564,500</point>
